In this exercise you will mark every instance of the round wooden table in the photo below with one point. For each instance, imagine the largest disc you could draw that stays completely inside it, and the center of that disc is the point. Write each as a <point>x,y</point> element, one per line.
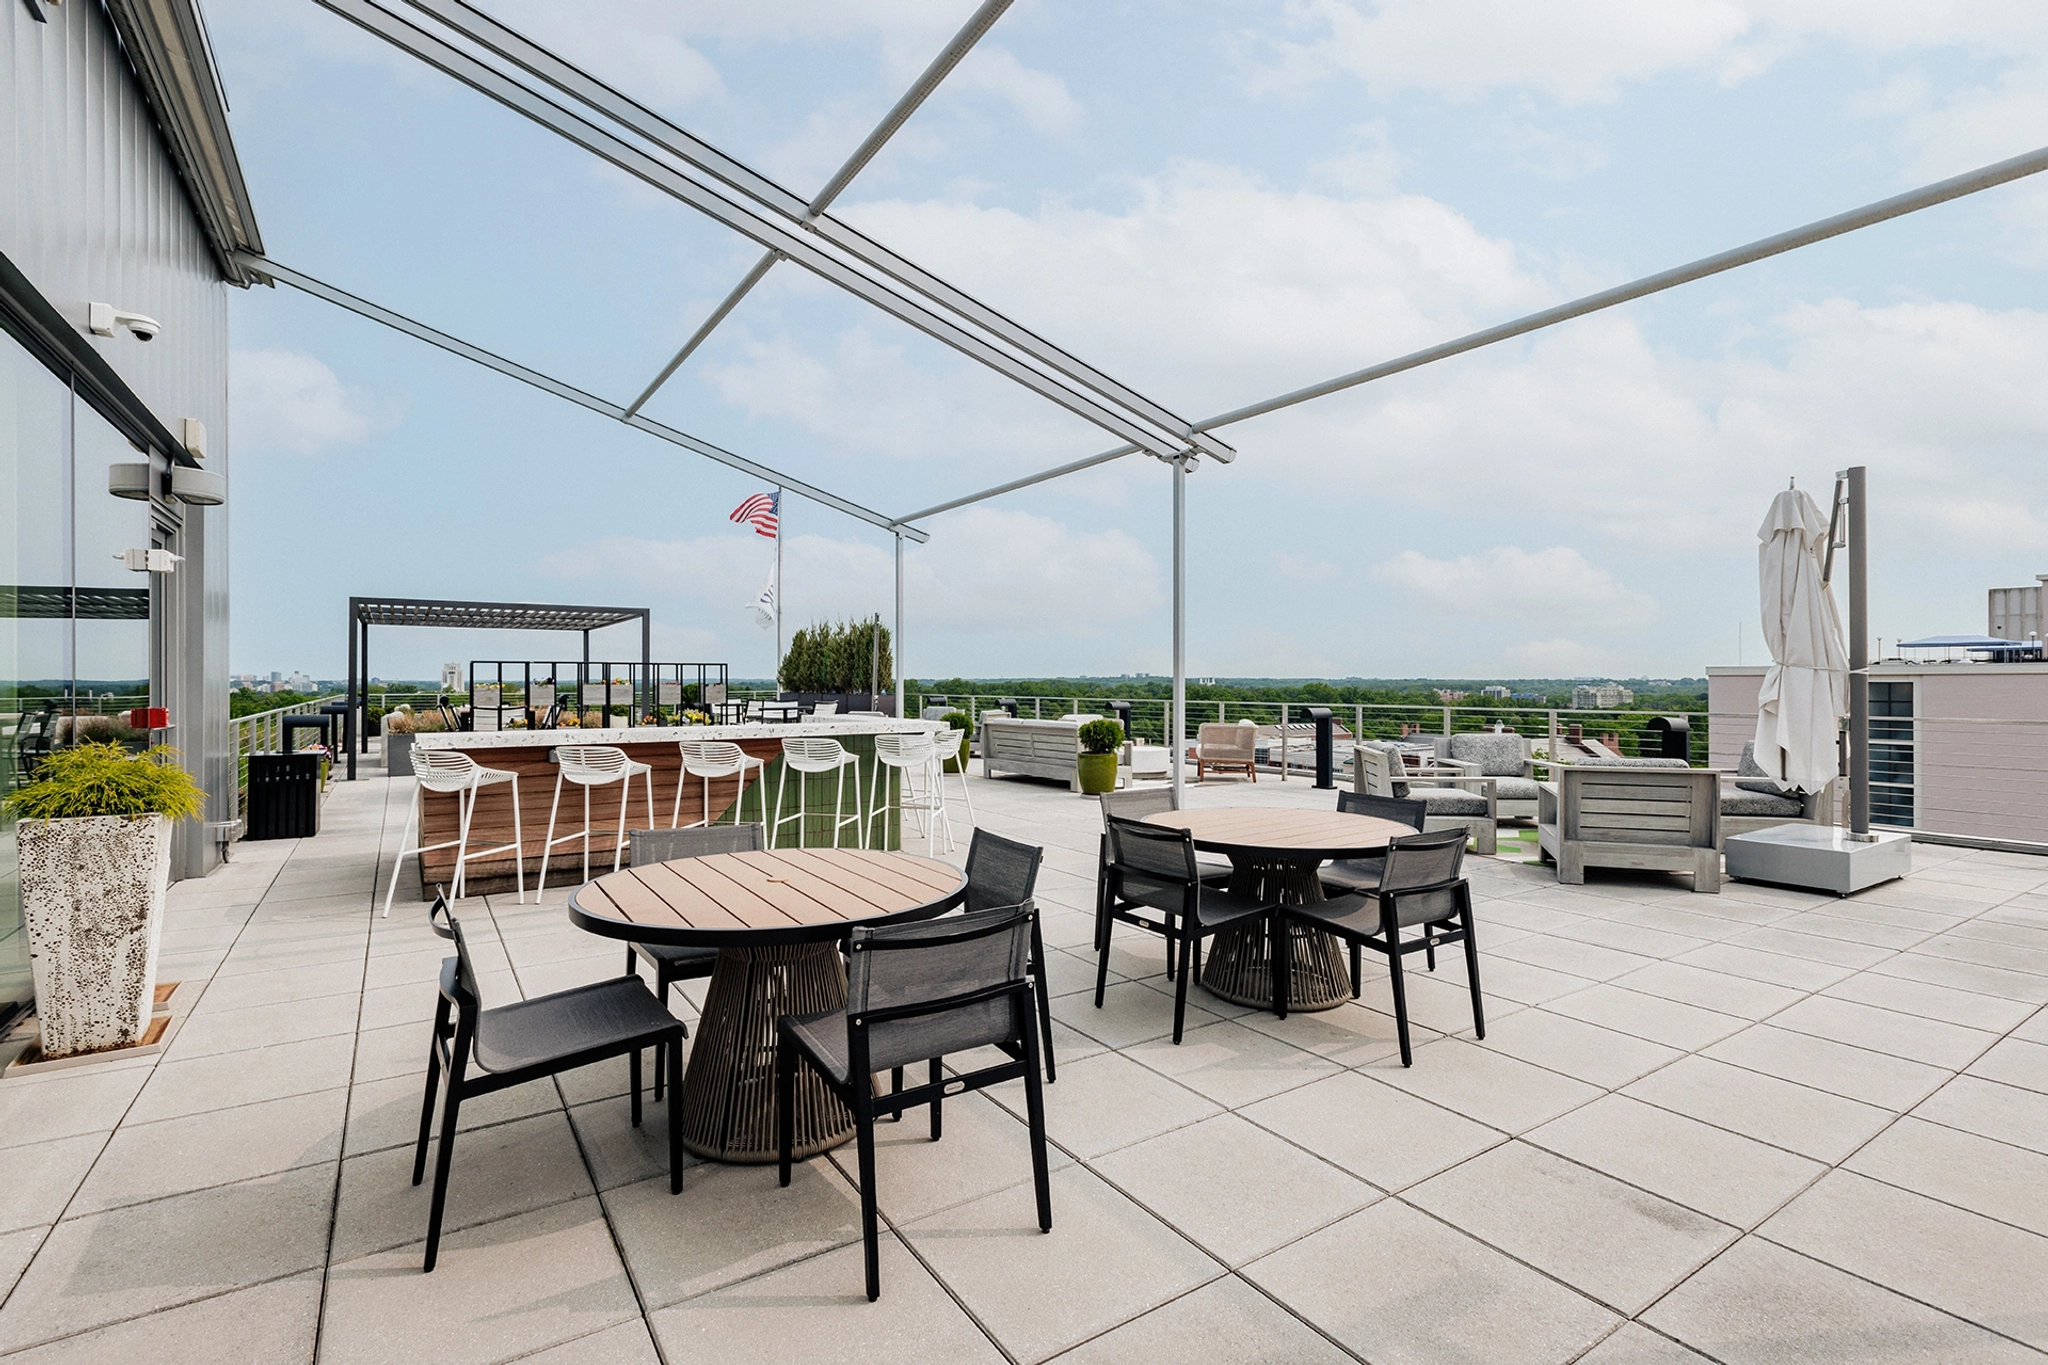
<point>777,918</point>
<point>1276,854</point>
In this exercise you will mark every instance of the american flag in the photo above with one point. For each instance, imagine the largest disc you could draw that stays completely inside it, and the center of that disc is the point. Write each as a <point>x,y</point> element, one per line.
<point>761,511</point>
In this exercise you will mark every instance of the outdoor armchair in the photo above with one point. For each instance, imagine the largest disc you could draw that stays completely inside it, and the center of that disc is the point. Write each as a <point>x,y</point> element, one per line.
<point>1638,816</point>
<point>1227,748</point>
<point>1136,805</point>
<point>483,1050</point>
<point>1154,885</point>
<point>1504,757</point>
<point>1423,888</point>
<point>1003,872</point>
<point>917,993</point>
<point>1467,803</point>
<point>1752,800</point>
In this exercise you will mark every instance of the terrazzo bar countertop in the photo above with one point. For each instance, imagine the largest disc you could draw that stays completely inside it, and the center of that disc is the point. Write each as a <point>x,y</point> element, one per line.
<point>670,734</point>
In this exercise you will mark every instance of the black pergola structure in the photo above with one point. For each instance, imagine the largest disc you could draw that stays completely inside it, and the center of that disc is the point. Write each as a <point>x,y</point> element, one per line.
<point>364,612</point>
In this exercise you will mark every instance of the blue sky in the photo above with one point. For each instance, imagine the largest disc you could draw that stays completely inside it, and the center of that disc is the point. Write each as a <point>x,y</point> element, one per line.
<point>1212,202</point>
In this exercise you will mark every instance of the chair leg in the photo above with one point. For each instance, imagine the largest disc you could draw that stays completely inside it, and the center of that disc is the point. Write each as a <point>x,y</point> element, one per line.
<point>661,985</point>
<point>549,847</point>
<point>1044,996</point>
<point>1102,940</point>
<point>870,1231</point>
<point>785,1101</point>
<point>1180,988</point>
<point>519,844</point>
<point>442,1160</point>
<point>1395,972</point>
<point>675,1117</point>
<point>1472,970</point>
<point>781,783</point>
<point>937,1074</point>
<point>1034,1112</point>
<point>896,1088</point>
<point>1429,946</point>
<point>412,816</point>
<point>419,1157</point>
<point>633,1068</point>
<point>467,812</point>
<point>1357,969</point>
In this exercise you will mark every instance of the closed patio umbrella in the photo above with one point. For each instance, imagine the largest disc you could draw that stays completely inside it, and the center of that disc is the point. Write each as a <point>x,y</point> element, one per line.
<point>1806,688</point>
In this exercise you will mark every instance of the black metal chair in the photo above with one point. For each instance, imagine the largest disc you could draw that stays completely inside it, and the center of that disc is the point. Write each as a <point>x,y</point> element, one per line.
<point>1136,804</point>
<point>1002,872</point>
<point>1347,875</point>
<point>1421,888</point>
<point>1152,869</point>
<point>917,992</point>
<point>670,962</point>
<point>522,1042</point>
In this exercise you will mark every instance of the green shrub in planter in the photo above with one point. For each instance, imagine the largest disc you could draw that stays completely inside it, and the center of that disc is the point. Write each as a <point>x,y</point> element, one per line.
<point>1100,739</point>
<point>959,721</point>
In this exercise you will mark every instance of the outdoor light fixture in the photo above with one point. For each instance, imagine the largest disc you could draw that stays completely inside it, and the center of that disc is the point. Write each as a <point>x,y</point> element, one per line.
<point>129,480</point>
<point>150,561</point>
<point>198,487</point>
<point>103,318</point>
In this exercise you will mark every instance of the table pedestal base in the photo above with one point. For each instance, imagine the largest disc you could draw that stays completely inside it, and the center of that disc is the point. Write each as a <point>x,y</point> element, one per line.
<point>1239,968</point>
<point>728,1097</point>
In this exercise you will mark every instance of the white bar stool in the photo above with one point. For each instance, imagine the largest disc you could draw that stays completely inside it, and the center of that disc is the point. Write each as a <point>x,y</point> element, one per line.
<point>709,758</point>
<point>450,770</point>
<point>807,756</point>
<point>595,765</point>
<point>949,745</point>
<point>916,760</point>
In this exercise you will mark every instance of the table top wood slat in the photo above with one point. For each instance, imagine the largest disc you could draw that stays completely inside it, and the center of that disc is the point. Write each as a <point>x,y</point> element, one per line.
<point>873,883</point>
<point>766,897</point>
<point>1294,834</point>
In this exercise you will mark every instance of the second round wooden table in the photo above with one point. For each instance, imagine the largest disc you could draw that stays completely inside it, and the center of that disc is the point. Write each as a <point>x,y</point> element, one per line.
<point>1277,853</point>
<point>777,918</point>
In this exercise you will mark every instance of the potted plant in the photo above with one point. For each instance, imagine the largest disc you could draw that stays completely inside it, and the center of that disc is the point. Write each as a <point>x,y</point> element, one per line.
<point>399,728</point>
<point>1100,740</point>
<point>958,720</point>
<point>94,840</point>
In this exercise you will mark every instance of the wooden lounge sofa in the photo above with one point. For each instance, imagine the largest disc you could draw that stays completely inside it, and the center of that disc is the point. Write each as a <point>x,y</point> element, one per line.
<point>1657,819</point>
<point>1032,748</point>
<point>1227,749</point>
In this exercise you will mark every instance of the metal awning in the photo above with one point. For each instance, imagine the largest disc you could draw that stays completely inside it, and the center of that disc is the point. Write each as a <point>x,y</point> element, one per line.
<point>430,612</point>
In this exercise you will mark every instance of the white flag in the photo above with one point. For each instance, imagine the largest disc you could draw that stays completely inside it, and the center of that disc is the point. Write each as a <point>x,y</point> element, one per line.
<point>764,604</point>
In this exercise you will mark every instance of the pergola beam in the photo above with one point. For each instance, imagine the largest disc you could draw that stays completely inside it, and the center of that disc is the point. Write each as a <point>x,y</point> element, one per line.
<point>941,66</point>
<point>1041,365</point>
<point>1940,192</point>
<point>271,270</point>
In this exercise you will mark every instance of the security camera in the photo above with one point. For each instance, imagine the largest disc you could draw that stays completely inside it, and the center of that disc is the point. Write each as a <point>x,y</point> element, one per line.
<point>103,318</point>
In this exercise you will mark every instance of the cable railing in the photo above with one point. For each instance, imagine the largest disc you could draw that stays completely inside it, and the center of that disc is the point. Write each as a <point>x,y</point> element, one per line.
<point>1292,746</point>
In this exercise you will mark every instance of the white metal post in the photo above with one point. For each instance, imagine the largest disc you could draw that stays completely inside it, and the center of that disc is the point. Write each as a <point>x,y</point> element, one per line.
<point>1177,726</point>
<point>897,643</point>
<point>781,525</point>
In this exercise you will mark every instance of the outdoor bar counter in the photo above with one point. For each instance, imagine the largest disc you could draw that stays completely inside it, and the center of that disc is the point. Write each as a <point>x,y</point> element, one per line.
<point>530,754</point>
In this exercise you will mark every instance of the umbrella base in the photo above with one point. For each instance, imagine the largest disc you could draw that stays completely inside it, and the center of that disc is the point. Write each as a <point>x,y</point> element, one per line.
<point>1820,857</point>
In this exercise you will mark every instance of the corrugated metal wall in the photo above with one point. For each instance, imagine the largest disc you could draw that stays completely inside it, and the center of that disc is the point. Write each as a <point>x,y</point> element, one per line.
<point>91,209</point>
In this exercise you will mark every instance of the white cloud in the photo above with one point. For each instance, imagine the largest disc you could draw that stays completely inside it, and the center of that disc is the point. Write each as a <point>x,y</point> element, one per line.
<point>1563,658</point>
<point>985,571</point>
<point>1543,589</point>
<point>1584,51</point>
<point>290,402</point>
<point>1040,98</point>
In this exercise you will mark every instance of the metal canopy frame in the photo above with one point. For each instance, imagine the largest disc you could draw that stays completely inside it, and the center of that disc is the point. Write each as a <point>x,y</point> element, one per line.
<point>651,148</point>
<point>435,613</point>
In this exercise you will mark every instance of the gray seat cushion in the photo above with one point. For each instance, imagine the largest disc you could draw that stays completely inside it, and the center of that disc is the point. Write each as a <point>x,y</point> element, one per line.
<point>1748,767</point>
<point>1496,755</point>
<point>1740,802</point>
<point>1515,789</point>
<point>1449,800</point>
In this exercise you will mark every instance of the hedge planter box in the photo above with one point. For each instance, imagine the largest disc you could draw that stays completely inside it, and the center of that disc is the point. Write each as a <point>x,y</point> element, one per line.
<point>1097,773</point>
<point>92,902</point>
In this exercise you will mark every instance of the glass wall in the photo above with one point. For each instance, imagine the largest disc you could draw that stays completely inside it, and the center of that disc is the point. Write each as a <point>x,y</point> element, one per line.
<point>1891,753</point>
<point>74,622</point>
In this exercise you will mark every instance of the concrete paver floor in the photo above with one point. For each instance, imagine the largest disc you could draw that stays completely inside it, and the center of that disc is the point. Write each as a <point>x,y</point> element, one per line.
<point>1756,1126</point>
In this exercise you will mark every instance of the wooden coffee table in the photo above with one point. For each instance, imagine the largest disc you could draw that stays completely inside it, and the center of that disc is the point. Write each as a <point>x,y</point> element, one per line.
<point>777,918</point>
<point>1277,854</point>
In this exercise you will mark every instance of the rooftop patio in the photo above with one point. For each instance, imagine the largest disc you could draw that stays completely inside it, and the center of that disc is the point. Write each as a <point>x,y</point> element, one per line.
<point>1764,1124</point>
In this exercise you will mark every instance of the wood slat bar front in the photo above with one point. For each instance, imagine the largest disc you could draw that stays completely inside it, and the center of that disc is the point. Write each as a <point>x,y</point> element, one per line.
<point>776,918</point>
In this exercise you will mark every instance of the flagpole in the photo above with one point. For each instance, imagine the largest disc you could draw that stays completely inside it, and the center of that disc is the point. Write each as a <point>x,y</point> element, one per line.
<point>776,681</point>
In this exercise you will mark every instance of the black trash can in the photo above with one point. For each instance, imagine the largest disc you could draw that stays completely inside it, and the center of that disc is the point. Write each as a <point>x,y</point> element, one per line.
<point>1672,735</point>
<point>1122,711</point>
<point>284,796</point>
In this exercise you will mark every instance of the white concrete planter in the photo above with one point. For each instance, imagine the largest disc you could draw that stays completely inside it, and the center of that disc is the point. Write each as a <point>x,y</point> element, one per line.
<point>92,901</point>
